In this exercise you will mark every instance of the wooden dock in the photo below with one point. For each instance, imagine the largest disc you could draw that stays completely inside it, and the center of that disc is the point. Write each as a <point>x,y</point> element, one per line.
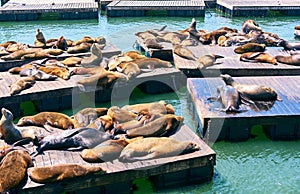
<point>259,8</point>
<point>184,8</point>
<point>21,10</point>
<point>192,168</point>
<point>231,63</point>
<point>108,51</point>
<point>280,119</point>
<point>65,94</point>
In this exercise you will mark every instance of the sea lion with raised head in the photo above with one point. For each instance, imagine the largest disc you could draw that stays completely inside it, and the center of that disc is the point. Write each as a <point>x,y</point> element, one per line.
<point>61,43</point>
<point>13,170</point>
<point>95,58</point>
<point>9,132</point>
<point>258,57</point>
<point>253,92</point>
<point>59,172</point>
<point>249,25</point>
<point>250,47</point>
<point>55,119</point>
<point>21,84</point>
<point>85,116</point>
<point>207,60</point>
<point>104,152</point>
<point>39,40</point>
<point>155,147</point>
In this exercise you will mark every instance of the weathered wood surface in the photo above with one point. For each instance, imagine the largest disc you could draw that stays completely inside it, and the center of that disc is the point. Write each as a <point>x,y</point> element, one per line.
<point>231,63</point>
<point>120,172</point>
<point>108,51</point>
<point>281,117</point>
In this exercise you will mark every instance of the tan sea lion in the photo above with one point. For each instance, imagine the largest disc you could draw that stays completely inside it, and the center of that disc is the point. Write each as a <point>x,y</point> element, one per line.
<point>9,132</point>
<point>289,45</point>
<point>184,52</point>
<point>297,31</point>
<point>17,70</point>
<point>37,74</point>
<point>155,147</point>
<point>39,40</point>
<point>212,37</point>
<point>21,84</point>
<point>253,92</point>
<point>289,59</point>
<point>95,58</point>
<point>100,40</point>
<point>172,37</point>
<point>249,25</point>
<point>61,72</point>
<point>17,55</point>
<point>103,121</point>
<point>152,43</point>
<point>44,119</point>
<point>85,116</point>
<point>59,172</point>
<point>116,60</point>
<point>258,57</point>
<point>121,128</point>
<point>189,42</point>
<point>85,39</point>
<point>152,63</point>
<point>133,55</point>
<point>81,48</point>
<point>71,61</point>
<point>87,70</point>
<point>15,47</point>
<point>102,79</point>
<point>107,151</point>
<point>120,115</point>
<point>5,44</point>
<point>250,47</point>
<point>207,60</point>
<point>129,68</point>
<point>13,170</point>
<point>160,107</point>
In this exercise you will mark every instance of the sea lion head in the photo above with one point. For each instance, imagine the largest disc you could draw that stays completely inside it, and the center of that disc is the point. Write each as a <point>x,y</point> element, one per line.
<point>7,114</point>
<point>25,121</point>
<point>191,146</point>
<point>227,79</point>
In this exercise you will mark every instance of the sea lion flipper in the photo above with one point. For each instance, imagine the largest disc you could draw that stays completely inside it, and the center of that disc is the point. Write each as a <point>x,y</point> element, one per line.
<point>48,127</point>
<point>245,100</point>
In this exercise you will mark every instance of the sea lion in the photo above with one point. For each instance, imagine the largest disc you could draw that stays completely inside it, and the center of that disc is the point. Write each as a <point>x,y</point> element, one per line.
<point>114,61</point>
<point>207,60</point>
<point>17,55</point>
<point>160,107</point>
<point>193,32</point>
<point>250,47</point>
<point>9,132</point>
<point>100,40</point>
<point>129,68</point>
<point>13,169</point>
<point>4,150</point>
<point>37,74</point>
<point>120,115</point>
<point>258,57</point>
<point>61,72</point>
<point>71,61</point>
<point>104,152</point>
<point>249,25</point>
<point>95,58</point>
<point>85,116</point>
<point>59,172</point>
<point>85,39</point>
<point>297,31</point>
<point>104,121</point>
<point>61,43</point>
<point>44,119</point>
<point>289,59</point>
<point>5,44</point>
<point>161,126</point>
<point>252,92</point>
<point>155,147</point>
<point>15,47</point>
<point>133,55</point>
<point>73,140</point>
<point>172,37</point>
<point>17,70</point>
<point>184,52</point>
<point>21,84</point>
<point>121,128</point>
<point>212,37</point>
<point>87,70</point>
<point>39,40</point>
<point>189,42</point>
<point>289,45</point>
<point>152,43</point>
<point>152,63</point>
<point>81,48</point>
<point>104,79</point>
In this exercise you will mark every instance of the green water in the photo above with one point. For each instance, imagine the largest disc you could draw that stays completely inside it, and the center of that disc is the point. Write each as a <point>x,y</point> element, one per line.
<point>258,165</point>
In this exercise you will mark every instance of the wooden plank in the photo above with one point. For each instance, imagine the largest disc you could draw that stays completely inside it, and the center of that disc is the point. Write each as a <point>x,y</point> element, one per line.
<point>267,115</point>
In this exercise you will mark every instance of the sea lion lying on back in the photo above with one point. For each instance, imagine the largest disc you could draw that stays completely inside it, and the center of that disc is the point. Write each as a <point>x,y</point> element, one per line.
<point>59,172</point>
<point>253,92</point>
<point>13,169</point>
<point>44,119</point>
<point>37,74</point>
<point>85,116</point>
<point>21,84</point>
<point>61,72</point>
<point>120,115</point>
<point>155,147</point>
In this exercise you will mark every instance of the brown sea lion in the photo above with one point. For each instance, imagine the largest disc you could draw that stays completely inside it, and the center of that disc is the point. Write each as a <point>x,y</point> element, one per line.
<point>13,170</point>
<point>103,121</point>
<point>184,52</point>
<point>249,25</point>
<point>152,43</point>
<point>160,107</point>
<point>289,45</point>
<point>15,47</point>
<point>73,140</point>
<point>37,74</point>
<point>250,47</point>
<point>21,84</point>
<point>61,43</point>
<point>85,39</point>
<point>95,58</point>
<point>100,40</point>
<point>129,68</point>
<point>9,132</point>
<point>172,37</point>
<point>121,128</point>
<point>81,48</point>
<point>5,44</point>
<point>133,55</point>
<point>297,31</point>
<point>17,55</point>
<point>71,61</point>
<point>85,116</point>
<point>59,172</point>
<point>4,150</point>
<point>87,70</point>
<point>212,37</point>
<point>107,151</point>
<point>120,115</point>
<point>152,63</point>
<point>289,59</point>
<point>17,70</point>
<point>61,72</point>
<point>44,119</point>
<point>258,57</point>
<point>207,60</point>
<point>116,60</point>
<point>155,147</point>
<point>253,92</point>
<point>102,79</point>
<point>39,40</point>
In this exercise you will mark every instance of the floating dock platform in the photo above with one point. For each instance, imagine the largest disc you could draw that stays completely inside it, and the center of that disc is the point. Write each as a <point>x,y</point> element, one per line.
<point>22,10</point>
<point>192,168</point>
<point>259,8</point>
<point>231,63</point>
<point>280,119</point>
<point>183,8</point>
